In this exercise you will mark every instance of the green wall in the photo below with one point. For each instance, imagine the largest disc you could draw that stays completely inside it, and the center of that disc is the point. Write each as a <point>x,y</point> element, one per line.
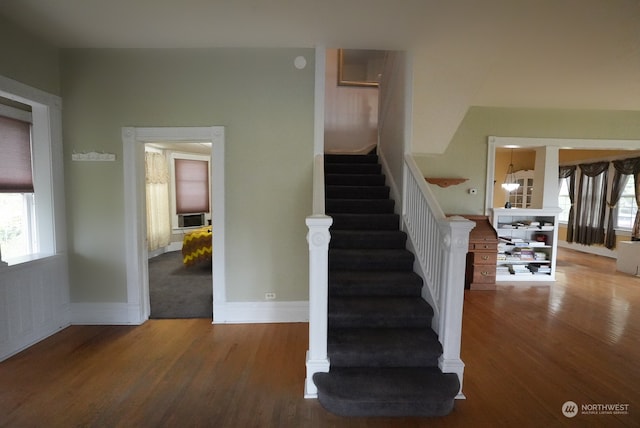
<point>266,105</point>
<point>466,155</point>
<point>28,59</point>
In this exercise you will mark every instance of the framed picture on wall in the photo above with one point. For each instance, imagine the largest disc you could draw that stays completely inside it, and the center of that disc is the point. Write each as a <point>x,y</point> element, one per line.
<point>360,67</point>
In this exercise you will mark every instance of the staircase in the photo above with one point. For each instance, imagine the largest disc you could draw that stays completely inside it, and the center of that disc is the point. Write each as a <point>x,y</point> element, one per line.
<point>383,352</point>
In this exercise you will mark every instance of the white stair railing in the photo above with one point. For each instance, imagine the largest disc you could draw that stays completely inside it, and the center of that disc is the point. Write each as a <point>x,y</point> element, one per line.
<point>440,244</point>
<point>318,238</point>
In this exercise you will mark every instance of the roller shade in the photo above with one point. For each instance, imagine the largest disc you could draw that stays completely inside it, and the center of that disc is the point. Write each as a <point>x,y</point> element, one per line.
<point>192,186</point>
<point>15,156</point>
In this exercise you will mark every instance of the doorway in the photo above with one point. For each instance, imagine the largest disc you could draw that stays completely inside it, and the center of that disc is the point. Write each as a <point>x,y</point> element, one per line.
<point>134,140</point>
<point>178,210</point>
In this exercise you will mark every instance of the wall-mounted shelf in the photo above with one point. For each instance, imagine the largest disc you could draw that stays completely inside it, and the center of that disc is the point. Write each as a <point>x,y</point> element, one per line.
<point>445,182</point>
<point>94,156</point>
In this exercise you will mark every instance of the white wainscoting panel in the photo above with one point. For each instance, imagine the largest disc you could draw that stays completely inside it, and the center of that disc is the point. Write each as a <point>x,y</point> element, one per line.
<point>105,314</point>
<point>33,303</point>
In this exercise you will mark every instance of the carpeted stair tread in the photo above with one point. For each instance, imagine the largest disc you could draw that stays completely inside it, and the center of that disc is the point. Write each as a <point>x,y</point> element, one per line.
<point>372,206</point>
<point>356,192</point>
<point>374,283</point>
<point>370,259</point>
<point>386,221</point>
<point>368,239</point>
<point>407,391</point>
<point>352,312</point>
<point>383,347</point>
<point>355,179</point>
<point>335,158</point>
<point>355,168</point>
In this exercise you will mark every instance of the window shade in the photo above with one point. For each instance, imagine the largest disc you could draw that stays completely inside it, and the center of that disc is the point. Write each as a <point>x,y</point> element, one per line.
<point>15,156</point>
<point>192,186</point>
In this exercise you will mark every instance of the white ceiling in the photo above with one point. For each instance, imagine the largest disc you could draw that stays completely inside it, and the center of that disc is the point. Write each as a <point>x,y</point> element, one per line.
<point>512,53</point>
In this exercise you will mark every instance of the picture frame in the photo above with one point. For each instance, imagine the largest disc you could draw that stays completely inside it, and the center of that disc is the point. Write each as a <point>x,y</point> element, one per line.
<point>360,67</point>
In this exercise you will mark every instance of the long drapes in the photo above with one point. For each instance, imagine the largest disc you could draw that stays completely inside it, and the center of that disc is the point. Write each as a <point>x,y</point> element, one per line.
<point>157,192</point>
<point>591,203</point>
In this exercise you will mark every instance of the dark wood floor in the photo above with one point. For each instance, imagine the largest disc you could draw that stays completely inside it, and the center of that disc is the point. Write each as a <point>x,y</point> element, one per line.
<point>527,349</point>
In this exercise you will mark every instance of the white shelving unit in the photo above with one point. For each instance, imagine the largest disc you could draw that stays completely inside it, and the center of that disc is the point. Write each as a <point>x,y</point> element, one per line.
<point>527,246</point>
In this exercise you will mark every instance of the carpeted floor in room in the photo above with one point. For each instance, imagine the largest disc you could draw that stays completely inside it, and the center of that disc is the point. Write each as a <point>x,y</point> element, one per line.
<point>177,291</point>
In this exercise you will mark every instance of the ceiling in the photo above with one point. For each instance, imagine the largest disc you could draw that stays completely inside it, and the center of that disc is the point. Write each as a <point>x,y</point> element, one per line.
<point>581,54</point>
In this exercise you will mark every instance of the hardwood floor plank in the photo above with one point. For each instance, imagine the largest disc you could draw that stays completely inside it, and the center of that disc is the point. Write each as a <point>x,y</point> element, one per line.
<point>528,348</point>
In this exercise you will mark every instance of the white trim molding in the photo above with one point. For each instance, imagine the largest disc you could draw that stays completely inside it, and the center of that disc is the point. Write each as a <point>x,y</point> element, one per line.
<point>133,139</point>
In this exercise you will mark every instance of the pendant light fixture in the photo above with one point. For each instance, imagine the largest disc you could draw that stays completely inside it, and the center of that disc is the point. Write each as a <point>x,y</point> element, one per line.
<point>510,184</point>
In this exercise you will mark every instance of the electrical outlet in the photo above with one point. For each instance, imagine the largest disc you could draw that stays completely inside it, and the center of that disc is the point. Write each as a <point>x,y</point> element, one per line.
<point>269,296</point>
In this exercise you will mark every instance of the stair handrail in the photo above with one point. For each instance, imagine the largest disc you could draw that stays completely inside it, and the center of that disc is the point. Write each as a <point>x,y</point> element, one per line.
<point>318,237</point>
<point>440,244</point>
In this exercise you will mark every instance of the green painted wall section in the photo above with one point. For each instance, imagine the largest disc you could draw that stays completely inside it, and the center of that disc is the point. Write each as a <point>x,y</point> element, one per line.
<point>466,155</point>
<point>28,59</point>
<point>266,105</point>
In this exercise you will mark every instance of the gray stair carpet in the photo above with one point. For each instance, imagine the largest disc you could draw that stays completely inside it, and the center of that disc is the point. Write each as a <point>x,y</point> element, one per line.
<point>383,352</point>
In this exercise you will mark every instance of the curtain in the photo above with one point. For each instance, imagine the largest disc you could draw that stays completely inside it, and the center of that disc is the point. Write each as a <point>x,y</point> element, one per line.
<point>157,189</point>
<point>635,232</point>
<point>570,173</point>
<point>591,203</point>
<point>623,169</point>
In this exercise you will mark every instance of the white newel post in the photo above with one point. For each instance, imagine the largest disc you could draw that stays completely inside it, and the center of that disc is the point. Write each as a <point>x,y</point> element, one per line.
<point>456,243</point>
<point>318,239</point>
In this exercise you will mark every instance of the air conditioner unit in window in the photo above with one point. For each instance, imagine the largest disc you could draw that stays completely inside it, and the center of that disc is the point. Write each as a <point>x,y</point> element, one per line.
<point>191,220</point>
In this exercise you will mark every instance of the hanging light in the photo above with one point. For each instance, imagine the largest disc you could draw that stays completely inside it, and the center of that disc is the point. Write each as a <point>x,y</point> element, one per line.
<point>510,184</point>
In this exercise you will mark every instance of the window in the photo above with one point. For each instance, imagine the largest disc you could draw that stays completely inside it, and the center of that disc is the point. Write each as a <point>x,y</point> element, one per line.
<point>17,210</point>
<point>190,187</point>
<point>564,201</point>
<point>31,200</point>
<point>627,207</point>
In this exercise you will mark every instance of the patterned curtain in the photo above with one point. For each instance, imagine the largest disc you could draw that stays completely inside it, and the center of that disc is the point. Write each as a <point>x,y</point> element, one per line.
<point>624,168</point>
<point>570,173</point>
<point>591,203</point>
<point>157,189</point>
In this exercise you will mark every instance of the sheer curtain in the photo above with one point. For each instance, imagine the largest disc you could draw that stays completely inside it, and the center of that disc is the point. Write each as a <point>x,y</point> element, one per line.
<point>570,173</point>
<point>157,187</point>
<point>591,203</point>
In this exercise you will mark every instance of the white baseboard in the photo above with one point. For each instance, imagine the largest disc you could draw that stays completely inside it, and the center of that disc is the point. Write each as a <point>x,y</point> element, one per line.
<point>260,312</point>
<point>104,314</point>
<point>590,249</point>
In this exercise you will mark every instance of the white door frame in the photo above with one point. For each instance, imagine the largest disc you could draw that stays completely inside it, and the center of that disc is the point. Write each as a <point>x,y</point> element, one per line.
<point>133,140</point>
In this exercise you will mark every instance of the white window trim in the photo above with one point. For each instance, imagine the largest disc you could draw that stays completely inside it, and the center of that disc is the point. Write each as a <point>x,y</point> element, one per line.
<point>47,158</point>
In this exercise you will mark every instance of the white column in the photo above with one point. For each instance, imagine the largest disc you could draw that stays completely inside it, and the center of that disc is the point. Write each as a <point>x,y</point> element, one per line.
<point>545,179</point>
<point>318,239</point>
<point>456,244</point>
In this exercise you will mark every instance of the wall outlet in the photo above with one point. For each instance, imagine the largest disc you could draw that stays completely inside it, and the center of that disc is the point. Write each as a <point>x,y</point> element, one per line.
<point>269,296</point>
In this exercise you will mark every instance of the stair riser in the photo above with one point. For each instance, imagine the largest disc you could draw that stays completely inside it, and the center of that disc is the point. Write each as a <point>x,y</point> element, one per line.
<point>359,206</point>
<point>355,179</point>
<point>365,222</point>
<point>338,168</point>
<point>408,290</point>
<point>351,159</point>
<point>356,192</point>
<point>380,359</point>
<point>367,264</point>
<point>374,321</point>
<point>397,241</point>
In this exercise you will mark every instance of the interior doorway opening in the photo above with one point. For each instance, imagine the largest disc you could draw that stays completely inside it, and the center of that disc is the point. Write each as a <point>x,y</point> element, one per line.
<point>137,254</point>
